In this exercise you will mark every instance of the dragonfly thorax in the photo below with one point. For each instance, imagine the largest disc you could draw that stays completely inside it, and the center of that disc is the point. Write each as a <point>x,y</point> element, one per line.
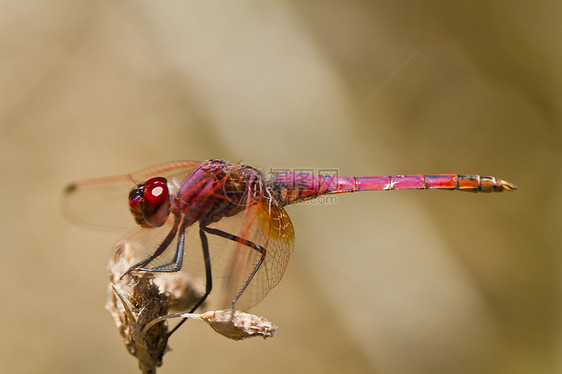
<point>216,190</point>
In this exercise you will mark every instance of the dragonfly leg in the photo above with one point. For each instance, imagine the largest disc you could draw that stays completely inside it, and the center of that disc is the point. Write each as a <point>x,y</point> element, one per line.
<point>208,280</point>
<point>250,244</point>
<point>176,261</point>
<point>178,256</point>
<point>161,248</point>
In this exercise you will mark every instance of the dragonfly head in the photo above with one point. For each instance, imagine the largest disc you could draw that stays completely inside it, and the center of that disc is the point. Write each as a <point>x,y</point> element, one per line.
<point>150,202</point>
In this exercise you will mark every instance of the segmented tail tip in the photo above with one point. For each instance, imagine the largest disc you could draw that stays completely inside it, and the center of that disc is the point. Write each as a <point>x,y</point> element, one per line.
<point>508,186</point>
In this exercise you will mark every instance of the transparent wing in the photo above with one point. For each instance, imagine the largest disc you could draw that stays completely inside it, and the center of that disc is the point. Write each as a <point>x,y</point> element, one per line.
<point>266,224</point>
<point>103,202</point>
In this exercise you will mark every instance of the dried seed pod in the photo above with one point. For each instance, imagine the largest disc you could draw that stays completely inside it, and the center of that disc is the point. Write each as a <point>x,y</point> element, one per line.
<point>235,326</point>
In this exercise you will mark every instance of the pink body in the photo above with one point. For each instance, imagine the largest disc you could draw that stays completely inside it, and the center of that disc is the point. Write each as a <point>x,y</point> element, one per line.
<point>292,187</point>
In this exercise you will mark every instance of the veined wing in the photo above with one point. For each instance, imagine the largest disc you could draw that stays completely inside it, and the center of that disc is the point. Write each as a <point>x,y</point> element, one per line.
<point>103,202</point>
<point>266,224</point>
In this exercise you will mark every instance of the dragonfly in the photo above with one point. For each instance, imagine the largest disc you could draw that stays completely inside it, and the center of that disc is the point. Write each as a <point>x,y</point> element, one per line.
<point>179,206</point>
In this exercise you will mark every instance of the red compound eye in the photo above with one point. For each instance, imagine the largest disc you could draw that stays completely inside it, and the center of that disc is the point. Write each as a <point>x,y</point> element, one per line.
<point>156,191</point>
<point>134,199</point>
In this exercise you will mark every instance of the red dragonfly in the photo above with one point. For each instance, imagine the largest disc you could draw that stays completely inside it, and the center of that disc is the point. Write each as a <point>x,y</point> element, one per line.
<point>235,204</point>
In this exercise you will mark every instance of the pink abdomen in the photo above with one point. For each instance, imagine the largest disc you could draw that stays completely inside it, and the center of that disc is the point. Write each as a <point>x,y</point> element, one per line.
<point>291,187</point>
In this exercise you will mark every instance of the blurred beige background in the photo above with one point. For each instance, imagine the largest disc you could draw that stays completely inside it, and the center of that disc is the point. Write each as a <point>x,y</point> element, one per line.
<point>387,282</point>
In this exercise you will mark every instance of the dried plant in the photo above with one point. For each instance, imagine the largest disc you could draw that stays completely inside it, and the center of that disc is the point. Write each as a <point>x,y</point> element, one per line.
<point>233,325</point>
<point>139,304</point>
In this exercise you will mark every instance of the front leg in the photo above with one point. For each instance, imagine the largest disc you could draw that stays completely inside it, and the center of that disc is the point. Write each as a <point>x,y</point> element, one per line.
<point>161,248</point>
